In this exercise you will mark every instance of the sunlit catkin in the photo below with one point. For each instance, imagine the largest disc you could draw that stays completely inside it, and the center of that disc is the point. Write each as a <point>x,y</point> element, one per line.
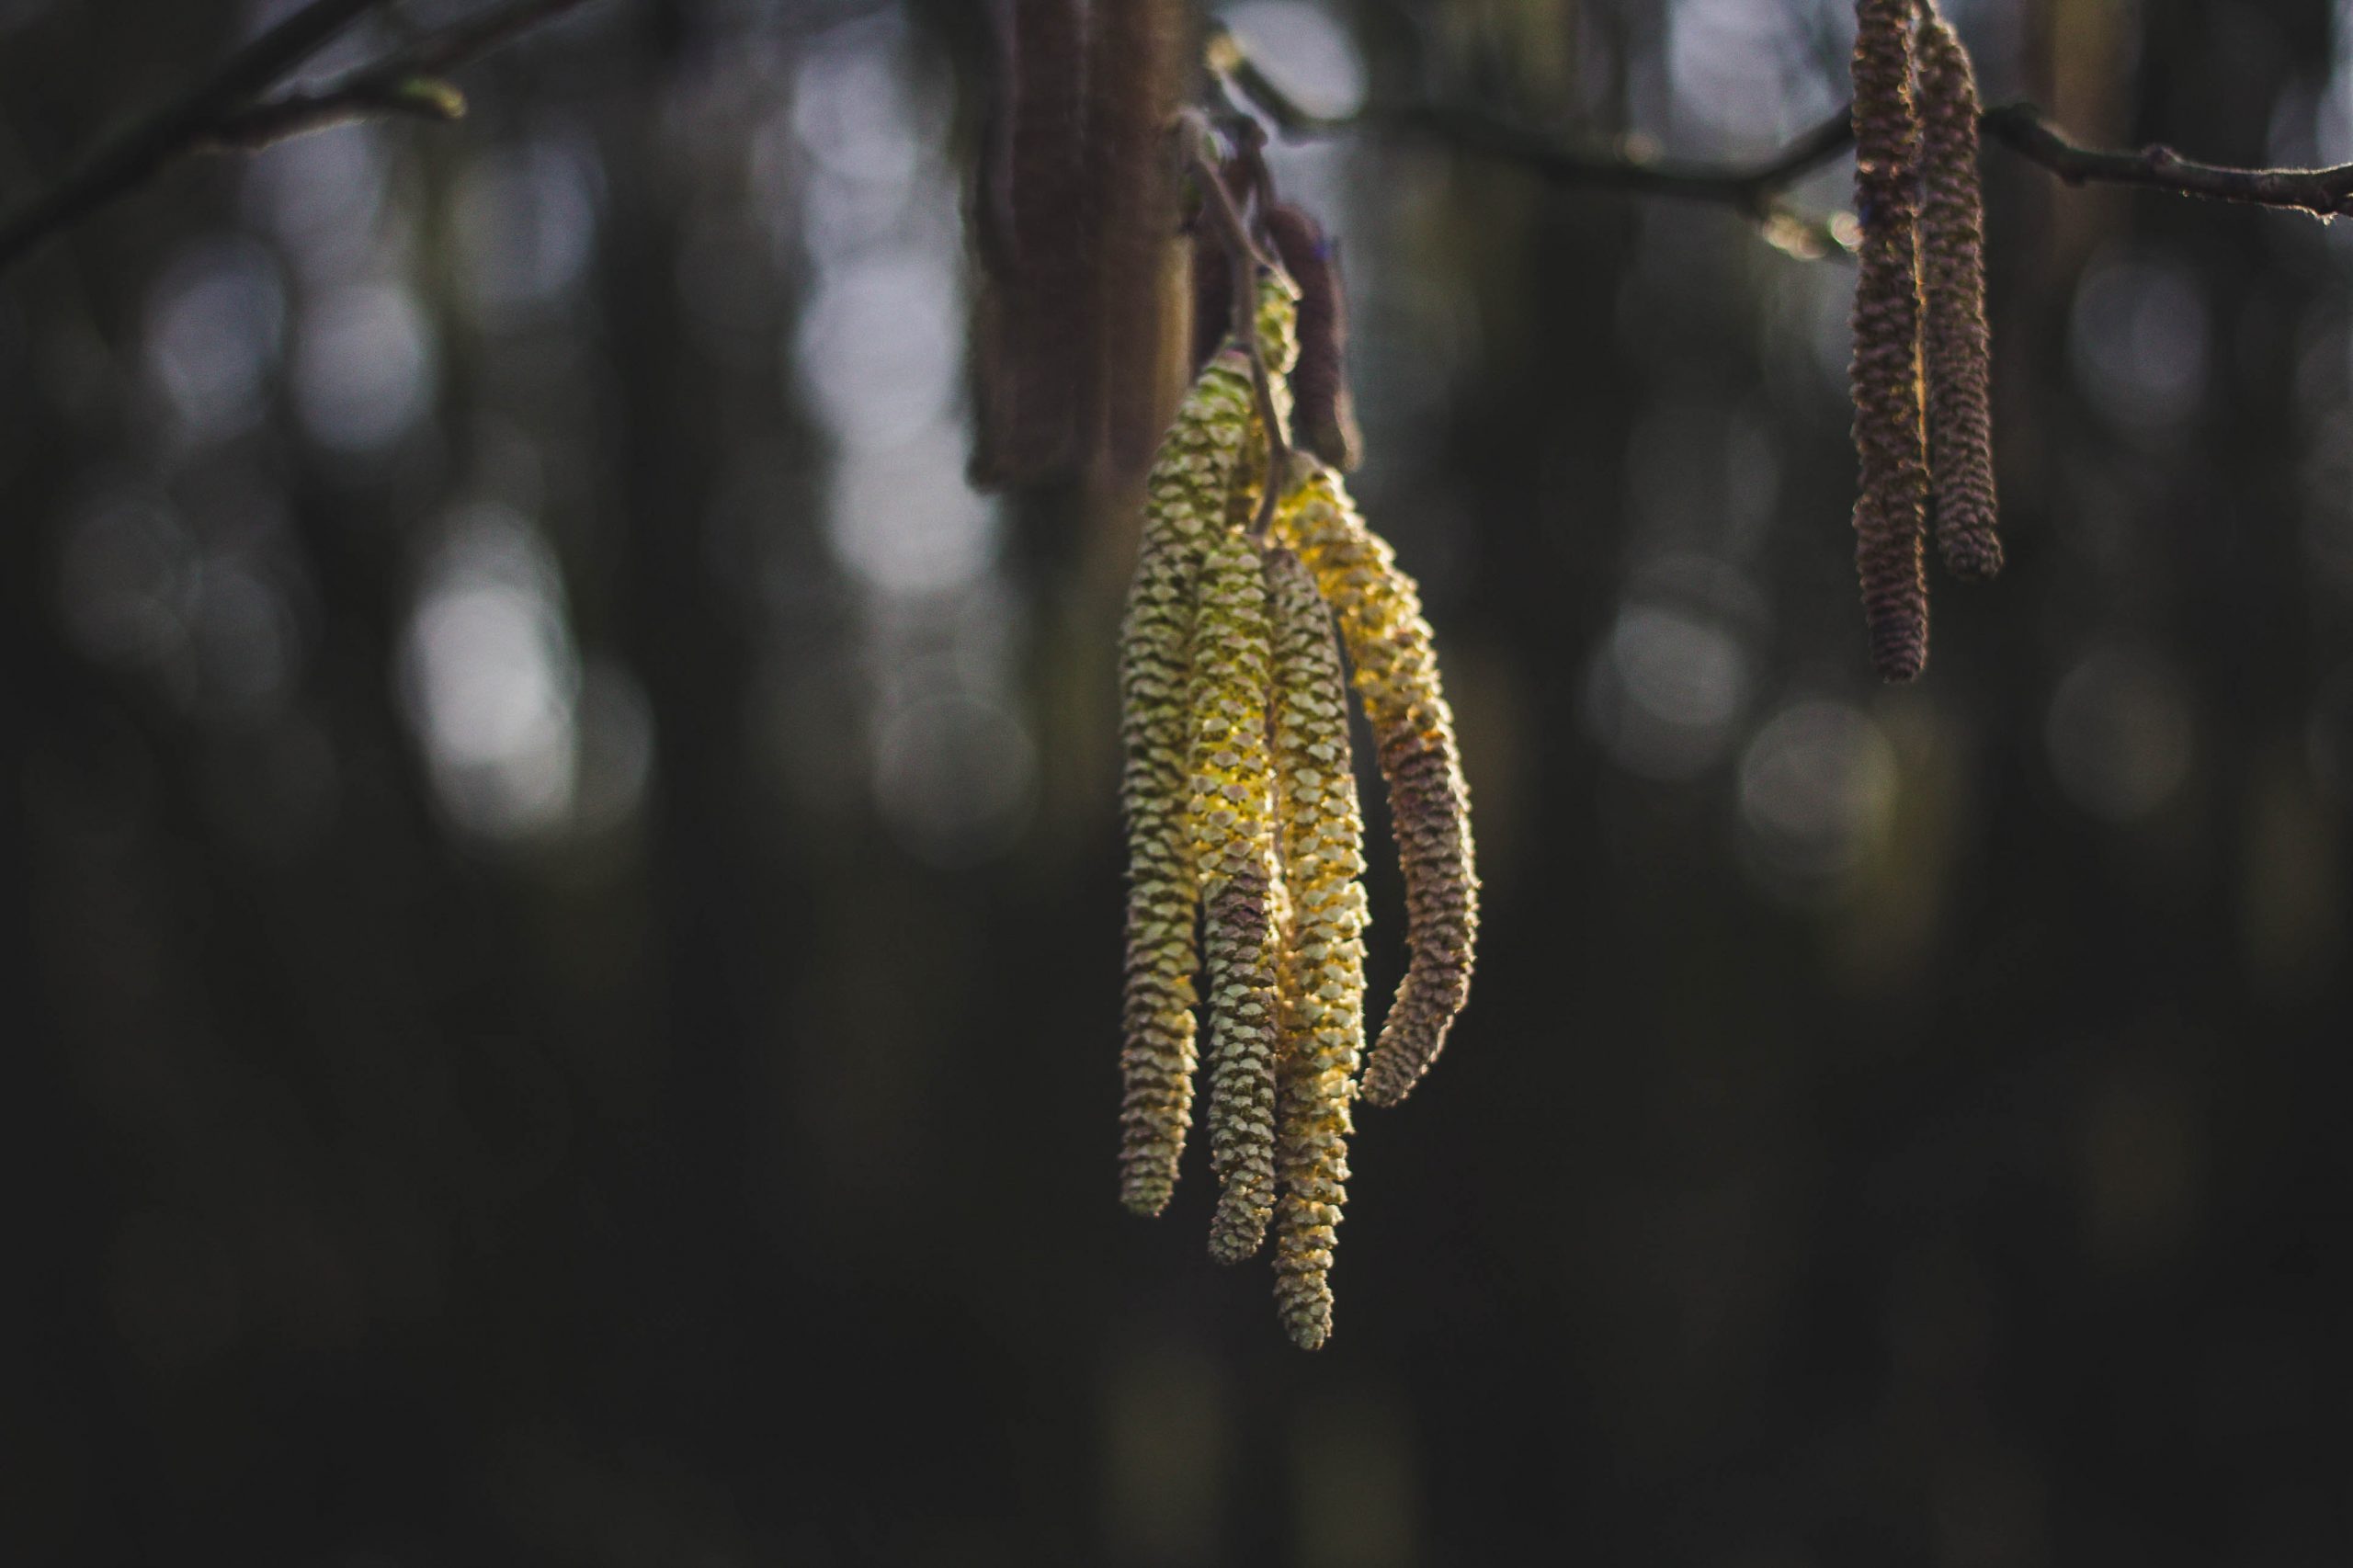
<point>1186,497</point>
<point>1890,512</point>
<point>1396,674</point>
<point>1320,840</point>
<point>1232,815</point>
<point>1956,347</point>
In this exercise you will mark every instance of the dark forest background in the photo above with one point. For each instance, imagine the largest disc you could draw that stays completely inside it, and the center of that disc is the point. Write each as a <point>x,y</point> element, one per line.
<point>563,886</point>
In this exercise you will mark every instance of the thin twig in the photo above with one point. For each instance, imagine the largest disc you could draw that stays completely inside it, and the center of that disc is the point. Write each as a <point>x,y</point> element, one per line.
<point>228,111</point>
<point>1756,189</point>
<point>130,157</point>
<point>407,82</point>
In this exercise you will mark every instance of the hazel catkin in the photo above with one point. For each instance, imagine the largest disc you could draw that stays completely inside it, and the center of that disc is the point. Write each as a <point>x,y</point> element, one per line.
<point>1890,440</point>
<point>1184,501</point>
<point>1389,644</point>
<point>1232,821</point>
<point>1320,839</point>
<point>1955,344</point>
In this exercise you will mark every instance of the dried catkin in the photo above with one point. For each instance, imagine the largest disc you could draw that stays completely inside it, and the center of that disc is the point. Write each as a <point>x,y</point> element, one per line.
<point>1138,51</point>
<point>1232,823</point>
<point>1396,674</point>
<point>1327,415</point>
<point>1033,357</point>
<point>1956,347</point>
<point>1320,838</point>
<point>1890,440</point>
<point>1186,497</point>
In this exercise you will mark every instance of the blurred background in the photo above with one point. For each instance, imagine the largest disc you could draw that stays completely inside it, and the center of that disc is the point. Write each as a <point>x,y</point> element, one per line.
<point>564,890</point>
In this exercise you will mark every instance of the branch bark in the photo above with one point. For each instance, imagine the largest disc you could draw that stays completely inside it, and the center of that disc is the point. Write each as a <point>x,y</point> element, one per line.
<point>229,111</point>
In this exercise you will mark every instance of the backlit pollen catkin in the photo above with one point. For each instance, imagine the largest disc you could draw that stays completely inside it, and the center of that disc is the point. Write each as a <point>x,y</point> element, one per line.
<point>1955,345</point>
<point>1320,837</point>
<point>1232,815</point>
<point>1890,438</point>
<point>1396,675</point>
<point>1240,794</point>
<point>1185,498</point>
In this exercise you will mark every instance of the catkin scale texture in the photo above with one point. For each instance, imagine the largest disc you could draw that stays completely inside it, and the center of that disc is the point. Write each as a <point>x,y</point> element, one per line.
<point>1232,817</point>
<point>1956,345</point>
<point>1889,434</point>
<point>1320,839</point>
<point>1185,501</point>
<point>1389,644</point>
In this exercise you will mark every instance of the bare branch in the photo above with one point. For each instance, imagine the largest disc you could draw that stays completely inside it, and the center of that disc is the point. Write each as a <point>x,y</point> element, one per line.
<point>1756,188</point>
<point>2324,192</point>
<point>228,111</point>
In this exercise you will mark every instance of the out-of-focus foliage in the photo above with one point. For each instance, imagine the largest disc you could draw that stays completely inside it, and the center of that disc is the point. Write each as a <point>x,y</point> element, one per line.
<point>564,882</point>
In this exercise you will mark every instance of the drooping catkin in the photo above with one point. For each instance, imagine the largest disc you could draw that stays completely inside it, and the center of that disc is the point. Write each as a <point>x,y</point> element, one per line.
<point>1327,415</point>
<point>1890,440</point>
<point>1185,507</point>
<point>1320,838</point>
<point>1231,816</point>
<point>1956,347</point>
<point>1389,642</point>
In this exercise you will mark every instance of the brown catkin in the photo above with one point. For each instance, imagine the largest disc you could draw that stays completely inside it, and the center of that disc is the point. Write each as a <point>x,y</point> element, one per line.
<point>1231,816</point>
<point>1137,54</point>
<point>1033,359</point>
<point>1390,644</point>
<point>1185,503</point>
<point>1327,415</point>
<point>1956,347</point>
<point>1320,838</point>
<point>1890,438</point>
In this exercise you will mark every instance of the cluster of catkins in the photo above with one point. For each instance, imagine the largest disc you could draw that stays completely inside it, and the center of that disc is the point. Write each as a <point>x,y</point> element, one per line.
<point>1242,822</point>
<point>1921,365</point>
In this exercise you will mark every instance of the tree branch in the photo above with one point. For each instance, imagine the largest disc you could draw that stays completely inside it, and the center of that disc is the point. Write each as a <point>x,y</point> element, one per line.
<point>228,111</point>
<point>1756,188</point>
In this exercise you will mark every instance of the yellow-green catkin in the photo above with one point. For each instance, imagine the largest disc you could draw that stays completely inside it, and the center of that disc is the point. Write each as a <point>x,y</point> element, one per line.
<point>1233,823</point>
<point>1320,840</point>
<point>1185,505</point>
<point>1390,644</point>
